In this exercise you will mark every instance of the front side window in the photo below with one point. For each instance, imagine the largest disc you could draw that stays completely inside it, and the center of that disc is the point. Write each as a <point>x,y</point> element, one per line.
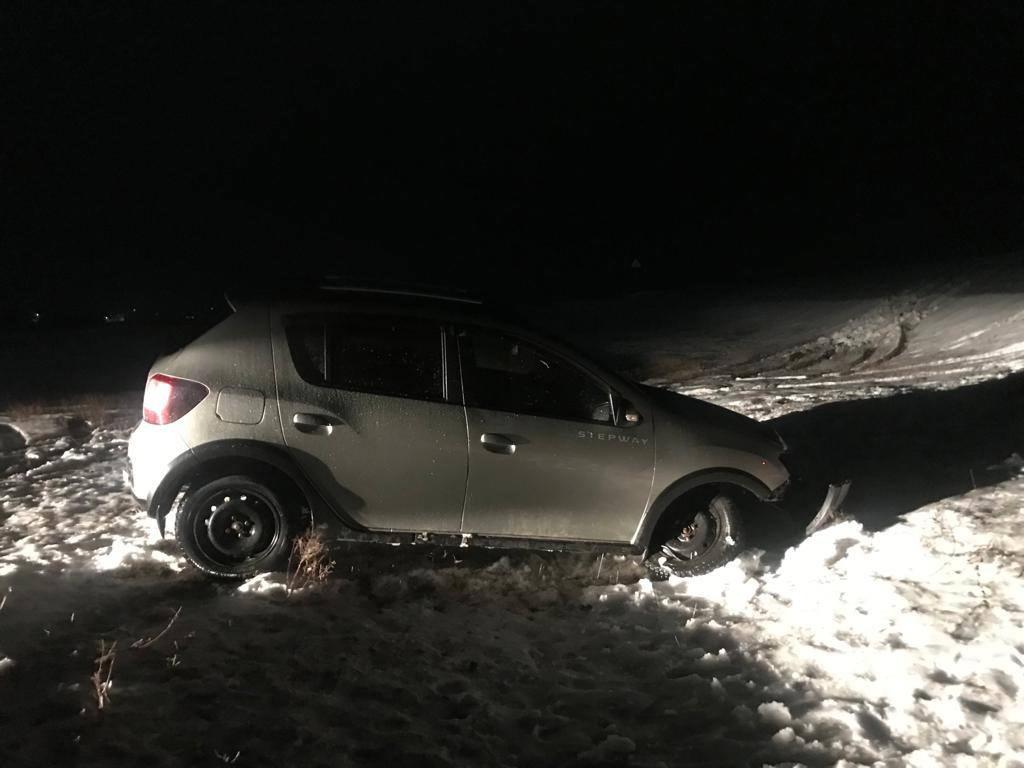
<point>395,356</point>
<point>504,373</point>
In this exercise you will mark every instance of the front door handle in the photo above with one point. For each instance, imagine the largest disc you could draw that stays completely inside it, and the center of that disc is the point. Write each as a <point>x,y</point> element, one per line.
<point>496,443</point>
<point>314,423</point>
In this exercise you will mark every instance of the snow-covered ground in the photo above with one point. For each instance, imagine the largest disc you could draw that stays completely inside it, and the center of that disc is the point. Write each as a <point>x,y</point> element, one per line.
<point>895,638</point>
<point>892,346</point>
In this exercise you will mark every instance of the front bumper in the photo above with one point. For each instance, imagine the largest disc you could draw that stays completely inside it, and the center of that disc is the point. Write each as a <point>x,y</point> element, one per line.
<point>830,508</point>
<point>779,493</point>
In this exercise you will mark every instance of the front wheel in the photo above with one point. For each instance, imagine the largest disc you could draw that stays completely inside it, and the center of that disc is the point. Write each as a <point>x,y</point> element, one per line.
<point>699,542</point>
<point>235,527</point>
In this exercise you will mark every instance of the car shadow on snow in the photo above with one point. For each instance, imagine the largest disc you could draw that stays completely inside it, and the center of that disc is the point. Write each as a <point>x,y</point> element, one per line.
<point>444,667</point>
<point>904,451</point>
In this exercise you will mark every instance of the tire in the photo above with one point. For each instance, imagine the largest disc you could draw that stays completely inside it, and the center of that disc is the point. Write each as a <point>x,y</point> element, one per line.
<point>712,537</point>
<point>236,527</point>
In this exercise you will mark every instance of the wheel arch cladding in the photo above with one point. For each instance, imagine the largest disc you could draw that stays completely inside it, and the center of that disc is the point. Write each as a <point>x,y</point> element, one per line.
<point>707,479</point>
<point>232,457</point>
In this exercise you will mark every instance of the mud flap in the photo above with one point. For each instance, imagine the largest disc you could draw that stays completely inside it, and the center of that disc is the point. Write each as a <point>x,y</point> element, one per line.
<point>829,512</point>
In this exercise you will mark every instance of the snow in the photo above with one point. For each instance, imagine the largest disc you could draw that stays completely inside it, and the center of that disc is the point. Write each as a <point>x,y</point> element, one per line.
<point>892,347</point>
<point>911,637</point>
<point>895,638</point>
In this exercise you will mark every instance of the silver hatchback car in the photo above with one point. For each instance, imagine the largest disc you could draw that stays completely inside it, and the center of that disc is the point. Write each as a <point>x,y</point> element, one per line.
<point>401,418</point>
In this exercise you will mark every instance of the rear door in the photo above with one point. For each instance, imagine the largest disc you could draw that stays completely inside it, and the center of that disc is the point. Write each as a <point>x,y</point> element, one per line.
<point>545,459</point>
<point>365,411</point>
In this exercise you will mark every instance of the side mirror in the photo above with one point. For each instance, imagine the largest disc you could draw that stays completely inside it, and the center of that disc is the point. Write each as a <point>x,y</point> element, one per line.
<point>626,414</point>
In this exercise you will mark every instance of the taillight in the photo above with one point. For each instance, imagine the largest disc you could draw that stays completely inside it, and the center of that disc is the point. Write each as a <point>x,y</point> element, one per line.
<point>168,398</point>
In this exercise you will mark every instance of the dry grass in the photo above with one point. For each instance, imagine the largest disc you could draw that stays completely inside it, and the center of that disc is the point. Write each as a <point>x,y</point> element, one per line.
<point>98,409</point>
<point>23,409</point>
<point>104,671</point>
<point>310,561</point>
<point>146,642</point>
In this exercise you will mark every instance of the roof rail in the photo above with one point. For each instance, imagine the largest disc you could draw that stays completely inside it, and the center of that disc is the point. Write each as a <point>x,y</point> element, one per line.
<point>423,292</point>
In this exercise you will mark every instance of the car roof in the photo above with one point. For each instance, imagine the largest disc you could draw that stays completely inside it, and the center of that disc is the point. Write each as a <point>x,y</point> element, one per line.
<point>424,301</point>
<point>426,292</point>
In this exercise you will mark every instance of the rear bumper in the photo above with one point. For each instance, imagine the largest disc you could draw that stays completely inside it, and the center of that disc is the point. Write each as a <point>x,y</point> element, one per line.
<point>129,484</point>
<point>152,450</point>
<point>143,503</point>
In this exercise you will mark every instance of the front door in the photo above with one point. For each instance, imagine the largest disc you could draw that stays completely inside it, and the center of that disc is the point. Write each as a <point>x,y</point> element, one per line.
<point>365,412</point>
<point>545,459</point>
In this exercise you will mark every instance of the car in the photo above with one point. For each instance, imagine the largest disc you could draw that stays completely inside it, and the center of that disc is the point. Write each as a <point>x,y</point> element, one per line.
<point>406,417</point>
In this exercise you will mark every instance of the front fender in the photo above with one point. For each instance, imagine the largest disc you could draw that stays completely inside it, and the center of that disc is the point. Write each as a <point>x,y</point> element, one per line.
<point>722,476</point>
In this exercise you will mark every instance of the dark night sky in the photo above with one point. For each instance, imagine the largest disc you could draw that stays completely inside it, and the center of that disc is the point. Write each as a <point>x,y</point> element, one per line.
<point>152,148</point>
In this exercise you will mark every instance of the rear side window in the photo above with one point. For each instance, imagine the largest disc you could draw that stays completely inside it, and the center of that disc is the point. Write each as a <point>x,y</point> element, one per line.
<point>307,341</point>
<point>504,373</point>
<point>398,356</point>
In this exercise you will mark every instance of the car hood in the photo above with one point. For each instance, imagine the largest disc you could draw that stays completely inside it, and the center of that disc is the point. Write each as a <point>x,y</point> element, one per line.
<point>720,425</point>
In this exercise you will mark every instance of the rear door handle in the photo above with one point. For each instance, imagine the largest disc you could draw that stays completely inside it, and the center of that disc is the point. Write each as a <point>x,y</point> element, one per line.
<point>315,423</point>
<point>496,443</point>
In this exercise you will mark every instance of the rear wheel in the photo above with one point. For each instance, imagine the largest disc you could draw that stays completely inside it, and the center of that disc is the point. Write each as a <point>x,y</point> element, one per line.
<point>698,541</point>
<point>235,527</point>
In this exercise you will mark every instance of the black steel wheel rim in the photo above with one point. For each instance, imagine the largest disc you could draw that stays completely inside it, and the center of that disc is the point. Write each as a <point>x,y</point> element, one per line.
<point>236,526</point>
<point>695,538</point>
